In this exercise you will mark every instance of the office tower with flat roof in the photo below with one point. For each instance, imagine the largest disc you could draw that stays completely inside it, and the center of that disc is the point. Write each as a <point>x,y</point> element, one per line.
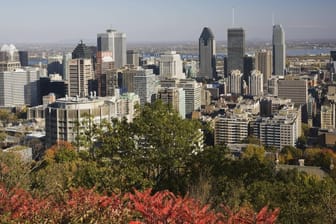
<point>256,83</point>
<point>133,57</point>
<point>235,82</point>
<point>236,49</point>
<point>19,87</point>
<point>207,54</point>
<point>296,90</point>
<point>120,50</point>
<point>145,85</point>
<point>263,63</point>
<point>171,66</point>
<point>279,50</point>
<point>105,41</point>
<point>55,65</point>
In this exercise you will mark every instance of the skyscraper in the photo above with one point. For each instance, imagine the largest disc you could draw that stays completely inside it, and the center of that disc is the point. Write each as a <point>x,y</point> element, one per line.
<point>114,42</point>
<point>133,57</point>
<point>207,54</point>
<point>263,63</point>
<point>80,72</point>
<point>236,49</point>
<point>120,50</point>
<point>256,83</point>
<point>171,65</point>
<point>145,85</point>
<point>235,82</point>
<point>23,55</point>
<point>9,58</point>
<point>279,50</point>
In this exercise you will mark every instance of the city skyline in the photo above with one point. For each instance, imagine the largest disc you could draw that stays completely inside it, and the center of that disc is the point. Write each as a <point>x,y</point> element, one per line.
<point>160,21</point>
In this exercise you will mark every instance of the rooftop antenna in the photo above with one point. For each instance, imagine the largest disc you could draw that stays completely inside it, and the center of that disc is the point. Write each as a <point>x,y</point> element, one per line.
<point>273,18</point>
<point>233,22</point>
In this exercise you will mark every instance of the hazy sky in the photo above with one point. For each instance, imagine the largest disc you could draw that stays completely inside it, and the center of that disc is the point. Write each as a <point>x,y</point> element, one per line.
<point>162,20</point>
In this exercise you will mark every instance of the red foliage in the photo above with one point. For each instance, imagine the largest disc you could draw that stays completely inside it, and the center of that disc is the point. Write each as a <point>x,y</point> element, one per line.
<point>86,206</point>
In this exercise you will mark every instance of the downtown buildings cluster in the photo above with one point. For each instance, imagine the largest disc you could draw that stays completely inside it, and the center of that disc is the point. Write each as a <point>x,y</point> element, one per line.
<point>251,96</point>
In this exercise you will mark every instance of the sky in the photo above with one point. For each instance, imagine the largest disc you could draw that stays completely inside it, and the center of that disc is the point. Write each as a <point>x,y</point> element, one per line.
<point>52,21</point>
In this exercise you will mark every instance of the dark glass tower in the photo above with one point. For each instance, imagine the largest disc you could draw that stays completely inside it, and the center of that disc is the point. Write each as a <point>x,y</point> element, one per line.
<point>207,54</point>
<point>236,49</point>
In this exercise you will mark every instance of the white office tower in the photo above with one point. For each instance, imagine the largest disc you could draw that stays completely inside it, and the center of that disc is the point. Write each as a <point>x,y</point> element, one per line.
<point>80,72</point>
<point>193,94</point>
<point>171,66</point>
<point>279,50</point>
<point>9,58</point>
<point>207,54</point>
<point>145,85</point>
<point>114,42</point>
<point>66,58</point>
<point>256,83</point>
<point>175,97</point>
<point>272,86</point>
<point>263,63</point>
<point>120,50</point>
<point>235,82</point>
<point>19,87</point>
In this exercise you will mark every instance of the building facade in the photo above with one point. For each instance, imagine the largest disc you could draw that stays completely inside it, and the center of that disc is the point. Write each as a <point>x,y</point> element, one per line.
<point>256,83</point>
<point>207,54</point>
<point>171,66</point>
<point>279,50</point>
<point>236,49</point>
<point>80,72</point>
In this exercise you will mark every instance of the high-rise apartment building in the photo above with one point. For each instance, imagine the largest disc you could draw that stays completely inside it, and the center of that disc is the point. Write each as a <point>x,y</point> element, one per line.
<point>256,83</point>
<point>236,49</point>
<point>62,116</point>
<point>235,82</point>
<point>145,85</point>
<point>230,129</point>
<point>80,72</point>
<point>207,54</point>
<point>279,50</point>
<point>193,94</point>
<point>171,66</point>
<point>263,63</point>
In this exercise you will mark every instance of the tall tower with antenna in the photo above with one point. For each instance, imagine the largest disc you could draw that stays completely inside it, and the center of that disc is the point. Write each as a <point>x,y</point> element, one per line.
<point>279,50</point>
<point>236,47</point>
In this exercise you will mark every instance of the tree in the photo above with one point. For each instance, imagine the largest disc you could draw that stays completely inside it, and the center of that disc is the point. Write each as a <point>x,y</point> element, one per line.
<point>254,151</point>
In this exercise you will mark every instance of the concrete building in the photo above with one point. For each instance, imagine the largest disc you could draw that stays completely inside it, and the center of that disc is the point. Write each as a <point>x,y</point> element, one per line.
<point>235,82</point>
<point>145,85</point>
<point>236,49</point>
<point>105,41</point>
<point>175,97</point>
<point>207,54</point>
<point>281,130</point>
<point>256,83</point>
<point>171,66</point>
<point>192,91</point>
<point>263,63</point>
<point>9,58</point>
<point>66,58</point>
<point>273,86</point>
<point>231,129</point>
<point>295,89</point>
<point>120,50</point>
<point>19,87</point>
<point>328,116</point>
<point>279,50</point>
<point>80,72</point>
<point>133,57</point>
<point>62,117</point>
